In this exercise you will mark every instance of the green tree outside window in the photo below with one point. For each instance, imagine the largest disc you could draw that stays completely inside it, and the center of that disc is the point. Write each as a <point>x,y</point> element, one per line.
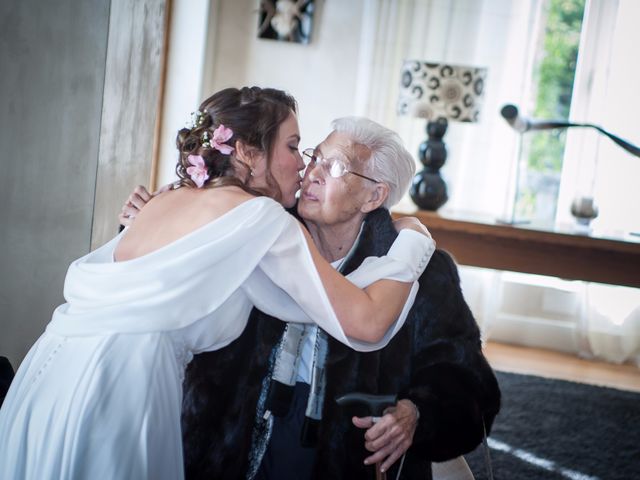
<point>554,75</point>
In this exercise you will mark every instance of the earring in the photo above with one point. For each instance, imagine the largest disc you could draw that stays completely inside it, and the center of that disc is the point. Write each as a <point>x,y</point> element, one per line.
<point>251,172</point>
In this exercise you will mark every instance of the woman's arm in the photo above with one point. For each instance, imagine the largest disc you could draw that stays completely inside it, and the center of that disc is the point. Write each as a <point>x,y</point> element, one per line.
<point>294,283</point>
<point>366,314</point>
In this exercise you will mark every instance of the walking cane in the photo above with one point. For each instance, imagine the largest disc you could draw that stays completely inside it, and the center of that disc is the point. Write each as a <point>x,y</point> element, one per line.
<point>375,405</point>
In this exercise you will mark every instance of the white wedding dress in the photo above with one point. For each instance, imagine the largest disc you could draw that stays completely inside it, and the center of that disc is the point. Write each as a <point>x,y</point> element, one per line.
<point>99,394</point>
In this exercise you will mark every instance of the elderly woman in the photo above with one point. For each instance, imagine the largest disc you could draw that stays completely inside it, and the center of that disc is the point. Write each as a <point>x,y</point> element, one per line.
<point>248,411</point>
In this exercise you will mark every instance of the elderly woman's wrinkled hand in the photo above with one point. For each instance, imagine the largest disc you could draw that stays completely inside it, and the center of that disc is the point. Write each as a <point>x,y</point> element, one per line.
<point>138,199</point>
<point>392,435</point>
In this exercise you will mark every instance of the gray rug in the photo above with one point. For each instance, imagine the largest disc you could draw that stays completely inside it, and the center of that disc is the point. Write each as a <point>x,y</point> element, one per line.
<point>554,429</point>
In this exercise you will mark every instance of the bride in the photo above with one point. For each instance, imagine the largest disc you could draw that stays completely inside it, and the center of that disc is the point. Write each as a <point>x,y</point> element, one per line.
<point>99,394</point>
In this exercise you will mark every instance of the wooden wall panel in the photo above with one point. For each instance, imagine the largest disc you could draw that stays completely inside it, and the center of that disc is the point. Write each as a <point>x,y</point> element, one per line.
<point>132,89</point>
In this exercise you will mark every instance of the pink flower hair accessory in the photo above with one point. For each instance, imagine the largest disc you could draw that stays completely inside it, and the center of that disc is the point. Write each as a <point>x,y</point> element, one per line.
<point>198,170</point>
<point>221,135</point>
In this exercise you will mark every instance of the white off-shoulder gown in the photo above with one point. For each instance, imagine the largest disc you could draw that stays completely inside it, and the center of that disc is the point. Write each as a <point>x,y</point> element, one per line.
<point>99,394</point>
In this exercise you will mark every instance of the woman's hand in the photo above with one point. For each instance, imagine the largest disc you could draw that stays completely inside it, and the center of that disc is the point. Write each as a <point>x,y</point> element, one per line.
<point>411,223</point>
<point>391,435</point>
<point>136,201</point>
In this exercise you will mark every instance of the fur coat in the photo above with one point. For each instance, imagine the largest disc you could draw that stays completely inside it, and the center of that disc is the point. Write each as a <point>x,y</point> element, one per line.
<point>435,360</point>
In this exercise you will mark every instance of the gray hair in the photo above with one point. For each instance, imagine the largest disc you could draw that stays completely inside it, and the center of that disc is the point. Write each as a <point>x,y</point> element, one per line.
<point>390,161</point>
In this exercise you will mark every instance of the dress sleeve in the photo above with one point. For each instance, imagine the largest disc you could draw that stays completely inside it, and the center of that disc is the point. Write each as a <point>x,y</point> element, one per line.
<point>287,286</point>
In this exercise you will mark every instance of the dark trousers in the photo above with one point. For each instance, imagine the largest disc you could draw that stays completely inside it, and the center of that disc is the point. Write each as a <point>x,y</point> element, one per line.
<point>285,458</point>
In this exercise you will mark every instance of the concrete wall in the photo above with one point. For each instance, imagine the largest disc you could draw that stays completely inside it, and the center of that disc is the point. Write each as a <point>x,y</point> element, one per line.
<point>52,58</point>
<point>80,87</point>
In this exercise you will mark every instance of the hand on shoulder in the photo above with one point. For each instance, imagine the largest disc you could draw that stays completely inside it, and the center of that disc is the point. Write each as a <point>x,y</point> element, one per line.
<point>411,223</point>
<point>136,201</point>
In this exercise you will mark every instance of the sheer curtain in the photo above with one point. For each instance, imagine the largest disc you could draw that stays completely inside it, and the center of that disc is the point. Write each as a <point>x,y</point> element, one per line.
<point>480,170</point>
<point>493,34</point>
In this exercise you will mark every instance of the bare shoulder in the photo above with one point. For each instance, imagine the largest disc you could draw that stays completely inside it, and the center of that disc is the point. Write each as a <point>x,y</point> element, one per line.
<point>211,202</point>
<point>176,213</point>
<point>231,194</point>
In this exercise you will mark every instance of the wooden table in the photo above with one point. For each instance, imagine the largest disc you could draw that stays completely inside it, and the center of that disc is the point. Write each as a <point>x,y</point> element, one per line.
<point>531,249</point>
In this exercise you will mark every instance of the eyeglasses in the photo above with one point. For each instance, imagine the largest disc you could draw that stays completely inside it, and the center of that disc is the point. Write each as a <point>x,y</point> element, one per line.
<point>334,167</point>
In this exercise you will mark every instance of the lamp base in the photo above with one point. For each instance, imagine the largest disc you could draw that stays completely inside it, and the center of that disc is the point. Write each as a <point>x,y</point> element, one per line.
<point>428,190</point>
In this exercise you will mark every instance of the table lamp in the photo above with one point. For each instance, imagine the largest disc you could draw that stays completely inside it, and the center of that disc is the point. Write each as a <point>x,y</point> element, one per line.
<point>439,92</point>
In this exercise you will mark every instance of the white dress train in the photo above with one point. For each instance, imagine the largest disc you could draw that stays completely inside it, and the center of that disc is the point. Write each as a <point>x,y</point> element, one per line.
<point>99,394</point>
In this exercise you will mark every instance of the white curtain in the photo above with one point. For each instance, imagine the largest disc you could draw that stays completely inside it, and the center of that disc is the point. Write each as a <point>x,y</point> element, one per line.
<point>587,319</point>
<point>495,34</point>
<point>590,320</point>
<point>606,94</point>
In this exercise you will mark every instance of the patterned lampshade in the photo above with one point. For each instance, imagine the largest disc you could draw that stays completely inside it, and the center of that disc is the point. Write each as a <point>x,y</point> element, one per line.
<point>441,90</point>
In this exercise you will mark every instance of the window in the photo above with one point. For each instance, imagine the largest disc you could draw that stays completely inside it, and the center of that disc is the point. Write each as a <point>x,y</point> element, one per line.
<point>549,97</point>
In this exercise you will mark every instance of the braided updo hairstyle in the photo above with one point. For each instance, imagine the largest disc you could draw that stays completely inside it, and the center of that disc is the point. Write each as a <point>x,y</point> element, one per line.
<point>254,115</point>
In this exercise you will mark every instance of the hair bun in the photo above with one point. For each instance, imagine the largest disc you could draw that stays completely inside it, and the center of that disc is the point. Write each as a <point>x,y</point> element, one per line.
<point>186,141</point>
